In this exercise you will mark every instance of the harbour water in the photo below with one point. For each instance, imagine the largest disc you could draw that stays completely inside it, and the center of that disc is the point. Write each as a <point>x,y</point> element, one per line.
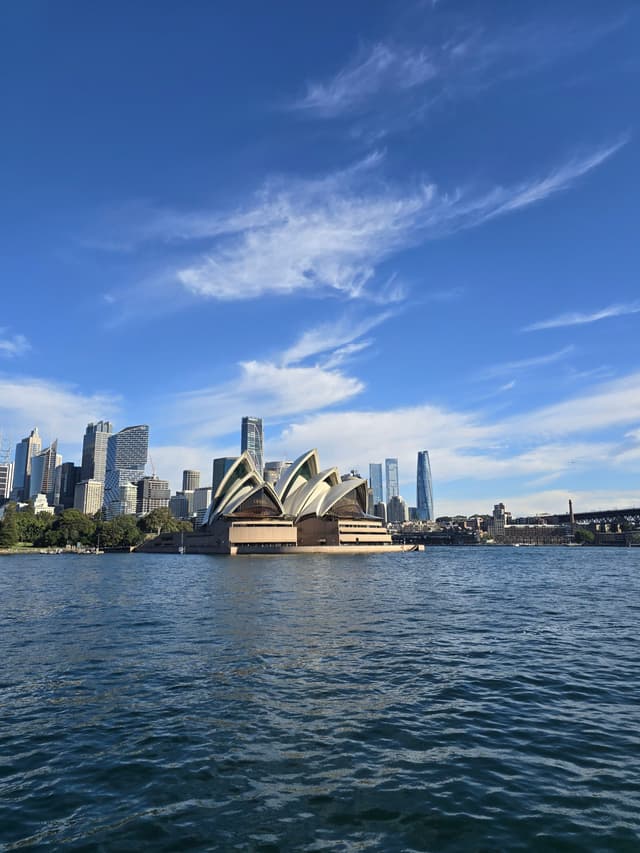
<point>459,699</point>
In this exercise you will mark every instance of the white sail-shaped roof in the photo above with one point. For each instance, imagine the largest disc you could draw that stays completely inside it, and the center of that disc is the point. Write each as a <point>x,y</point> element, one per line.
<point>263,497</point>
<point>299,473</point>
<point>354,484</point>
<point>311,492</point>
<point>241,477</point>
<point>302,491</point>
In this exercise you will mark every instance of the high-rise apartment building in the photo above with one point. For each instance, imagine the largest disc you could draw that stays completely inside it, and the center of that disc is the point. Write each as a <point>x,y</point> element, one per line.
<point>126,459</point>
<point>252,439</point>
<point>6,479</point>
<point>94,450</point>
<point>88,496</point>
<point>25,451</point>
<point>393,484</point>
<point>424,487</point>
<point>190,480</point>
<point>375,481</point>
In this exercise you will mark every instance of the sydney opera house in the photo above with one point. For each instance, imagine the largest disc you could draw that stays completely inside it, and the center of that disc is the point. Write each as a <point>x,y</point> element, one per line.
<point>307,509</point>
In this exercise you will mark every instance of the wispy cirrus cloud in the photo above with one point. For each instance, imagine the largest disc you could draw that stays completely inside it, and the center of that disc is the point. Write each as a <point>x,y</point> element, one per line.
<point>338,337</point>
<point>13,345</point>
<point>330,235</point>
<point>578,318</point>
<point>285,385</point>
<point>414,72</point>
<point>382,67</point>
<point>525,364</point>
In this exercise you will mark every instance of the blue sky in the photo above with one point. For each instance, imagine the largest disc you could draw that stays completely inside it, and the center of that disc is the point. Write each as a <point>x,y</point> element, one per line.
<point>383,227</point>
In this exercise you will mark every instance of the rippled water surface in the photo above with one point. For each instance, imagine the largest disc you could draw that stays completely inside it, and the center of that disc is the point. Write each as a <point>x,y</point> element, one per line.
<point>460,699</point>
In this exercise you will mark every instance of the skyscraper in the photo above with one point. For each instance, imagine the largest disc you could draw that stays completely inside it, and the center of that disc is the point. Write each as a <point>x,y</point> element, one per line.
<point>126,459</point>
<point>391,471</point>
<point>67,478</point>
<point>375,481</point>
<point>190,480</point>
<point>253,441</point>
<point>94,450</point>
<point>25,451</point>
<point>424,487</point>
<point>43,472</point>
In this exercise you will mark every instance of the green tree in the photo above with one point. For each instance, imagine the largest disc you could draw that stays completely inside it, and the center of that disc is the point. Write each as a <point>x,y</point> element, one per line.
<point>121,531</point>
<point>31,528</point>
<point>8,527</point>
<point>74,526</point>
<point>158,521</point>
<point>584,537</point>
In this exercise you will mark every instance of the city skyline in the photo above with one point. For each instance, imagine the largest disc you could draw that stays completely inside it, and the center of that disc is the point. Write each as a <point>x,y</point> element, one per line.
<point>391,223</point>
<point>119,460</point>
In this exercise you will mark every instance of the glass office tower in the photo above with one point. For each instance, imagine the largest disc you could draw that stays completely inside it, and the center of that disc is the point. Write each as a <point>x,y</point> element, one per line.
<point>424,487</point>
<point>375,481</point>
<point>126,459</point>
<point>252,440</point>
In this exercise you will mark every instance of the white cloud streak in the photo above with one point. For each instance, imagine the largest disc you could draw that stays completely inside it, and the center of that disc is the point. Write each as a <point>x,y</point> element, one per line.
<point>331,235</point>
<point>13,345</point>
<point>577,318</point>
<point>524,364</point>
<point>409,76</point>
<point>380,68</point>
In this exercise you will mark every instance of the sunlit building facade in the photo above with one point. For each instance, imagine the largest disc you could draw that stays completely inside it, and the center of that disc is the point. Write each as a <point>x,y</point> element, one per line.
<point>127,452</point>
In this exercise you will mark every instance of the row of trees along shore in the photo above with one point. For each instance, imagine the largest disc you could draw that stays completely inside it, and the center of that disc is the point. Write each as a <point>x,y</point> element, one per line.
<point>71,527</point>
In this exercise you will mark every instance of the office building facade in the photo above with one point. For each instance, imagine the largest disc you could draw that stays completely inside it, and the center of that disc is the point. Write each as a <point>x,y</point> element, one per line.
<point>25,451</point>
<point>88,496</point>
<point>127,452</point>
<point>252,440</point>
<point>43,473</point>
<point>375,481</point>
<point>179,505</point>
<point>424,488</point>
<point>393,482</point>
<point>397,510</point>
<point>220,467</point>
<point>153,493</point>
<point>190,480</point>
<point>6,480</point>
<point>94,450</point>
<point>67,478</point>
